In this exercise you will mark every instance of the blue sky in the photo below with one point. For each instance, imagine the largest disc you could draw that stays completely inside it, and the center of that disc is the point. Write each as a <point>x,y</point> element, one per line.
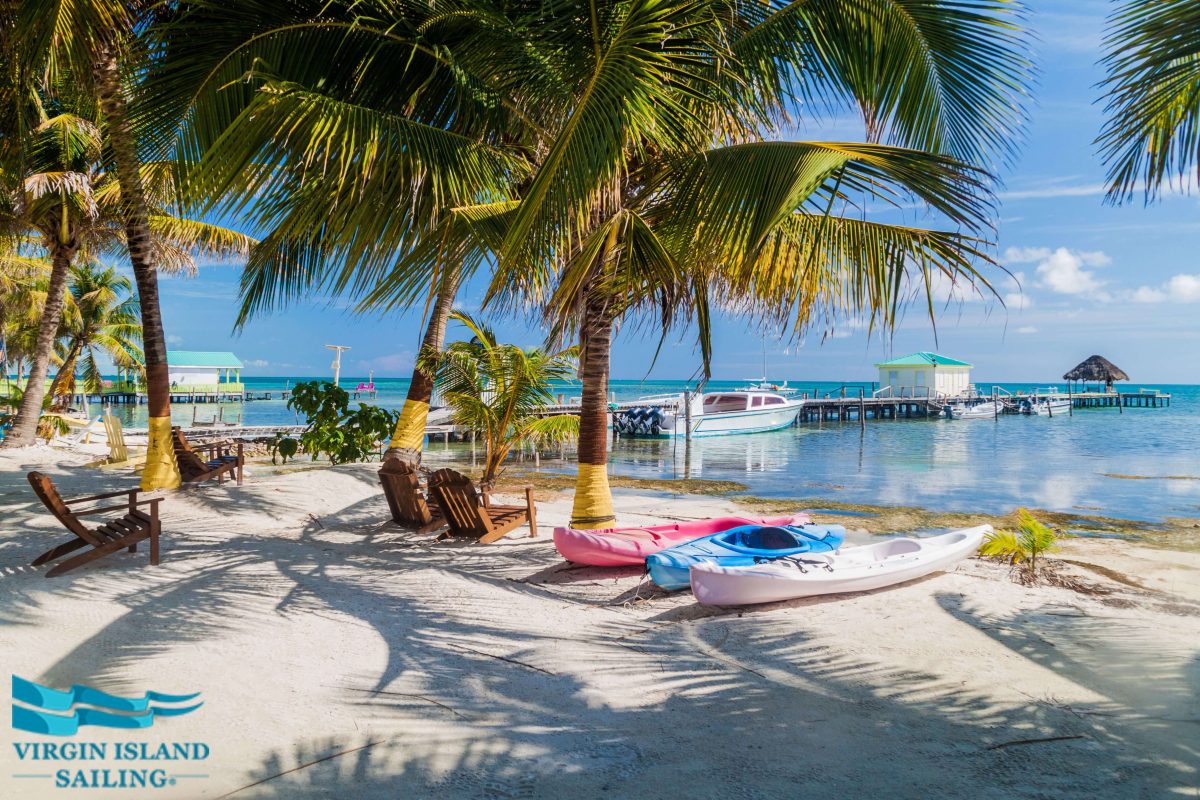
<point>1123,282</point>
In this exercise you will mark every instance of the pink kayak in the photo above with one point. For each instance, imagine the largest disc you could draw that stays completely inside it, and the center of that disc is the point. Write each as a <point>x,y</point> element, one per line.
<point>619,547</point>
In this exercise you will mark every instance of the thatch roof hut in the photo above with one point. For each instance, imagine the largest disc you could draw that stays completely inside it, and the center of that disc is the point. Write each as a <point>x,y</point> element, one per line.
<point>1099,370</point>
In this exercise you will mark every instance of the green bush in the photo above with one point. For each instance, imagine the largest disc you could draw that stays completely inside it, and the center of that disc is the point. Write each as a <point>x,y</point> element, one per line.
<point>333,429</point>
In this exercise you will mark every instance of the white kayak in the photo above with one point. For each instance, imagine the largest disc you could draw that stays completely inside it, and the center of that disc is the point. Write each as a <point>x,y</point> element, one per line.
<point>851,569</point>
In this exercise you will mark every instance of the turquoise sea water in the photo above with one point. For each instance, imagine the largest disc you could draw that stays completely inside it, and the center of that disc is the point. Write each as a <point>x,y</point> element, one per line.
<point>1060,463</point>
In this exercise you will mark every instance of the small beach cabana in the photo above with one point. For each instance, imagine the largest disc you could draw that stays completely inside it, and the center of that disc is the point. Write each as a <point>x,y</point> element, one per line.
<point>214,371</point>
<point>1097,369</point>
<point>925,374</point>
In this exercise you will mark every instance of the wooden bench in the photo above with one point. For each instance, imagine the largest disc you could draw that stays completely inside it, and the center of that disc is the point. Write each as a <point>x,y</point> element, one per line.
<point>195,466</point>
<point>469,516</point>
<point>122,533</point>
<point>401,487</point>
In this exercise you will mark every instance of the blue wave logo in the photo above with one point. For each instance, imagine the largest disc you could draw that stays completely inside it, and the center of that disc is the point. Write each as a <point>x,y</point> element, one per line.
<point>88,706</point>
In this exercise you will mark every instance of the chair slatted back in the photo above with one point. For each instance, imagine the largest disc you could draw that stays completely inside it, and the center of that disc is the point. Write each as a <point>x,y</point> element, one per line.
<point>190,464</point>
<point>459,502</point>
<point>117,451</point>
<point>402,489</point>
<point>44,488</point>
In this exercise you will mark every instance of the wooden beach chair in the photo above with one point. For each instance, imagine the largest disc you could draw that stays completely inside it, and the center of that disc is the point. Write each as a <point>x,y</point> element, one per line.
<point>122,533</point>
<point>409,507</point>
<point>118,452</point>
<point>467,515</point>
<point>205,461</point>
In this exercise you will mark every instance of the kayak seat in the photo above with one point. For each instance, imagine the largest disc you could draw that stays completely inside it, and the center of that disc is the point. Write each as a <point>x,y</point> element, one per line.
<point>768,539</point>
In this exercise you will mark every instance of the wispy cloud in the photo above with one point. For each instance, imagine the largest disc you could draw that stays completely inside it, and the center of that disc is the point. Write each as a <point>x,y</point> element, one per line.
<point>1182,288</point>
<point>1054,191</point>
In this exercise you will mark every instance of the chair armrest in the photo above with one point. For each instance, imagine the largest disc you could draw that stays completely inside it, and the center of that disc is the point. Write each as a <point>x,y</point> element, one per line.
<point>152,502</point>
<point>105,496</point>
<point>210,446</point>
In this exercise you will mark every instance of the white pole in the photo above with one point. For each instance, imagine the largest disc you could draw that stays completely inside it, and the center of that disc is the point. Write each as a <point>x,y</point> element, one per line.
<point>337,360</point>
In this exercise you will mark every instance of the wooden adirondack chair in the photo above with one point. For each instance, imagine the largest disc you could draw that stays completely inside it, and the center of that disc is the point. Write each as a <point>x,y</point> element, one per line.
<point>201,462</point>
<point>122,533</point>
<point>409,507</point>
<point>467,515</point>
<point>118,452</point>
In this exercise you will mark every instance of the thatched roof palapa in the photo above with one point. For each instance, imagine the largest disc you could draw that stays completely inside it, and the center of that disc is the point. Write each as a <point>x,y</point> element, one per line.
<point>1098,369</point>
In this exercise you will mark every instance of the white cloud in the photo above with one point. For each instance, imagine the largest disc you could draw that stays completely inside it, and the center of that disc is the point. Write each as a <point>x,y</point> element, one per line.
<point>1055,190</point>
<point>1182,288</point>
<point>257,362</point>
<point>173,339</point>
<point>1062,271</point>
<point>1017,301</point>
<point>1027,329</point>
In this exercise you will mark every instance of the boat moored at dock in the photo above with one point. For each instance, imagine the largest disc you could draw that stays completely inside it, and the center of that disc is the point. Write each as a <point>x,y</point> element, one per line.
<point>708,414</point>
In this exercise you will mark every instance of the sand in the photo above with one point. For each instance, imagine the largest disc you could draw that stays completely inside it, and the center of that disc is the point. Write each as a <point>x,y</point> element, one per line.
<point>340,656</point>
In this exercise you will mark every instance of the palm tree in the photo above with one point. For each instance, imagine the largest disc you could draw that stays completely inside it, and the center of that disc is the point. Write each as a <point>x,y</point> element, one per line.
<point>501,392</point>
<point>101,44</point>
<point>105,321</point>
<point>72,205</point>
<point>1152,135</point>
<point>619,163</point>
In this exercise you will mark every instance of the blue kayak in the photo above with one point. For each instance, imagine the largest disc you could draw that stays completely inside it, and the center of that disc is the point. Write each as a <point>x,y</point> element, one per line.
<point>741,547</point>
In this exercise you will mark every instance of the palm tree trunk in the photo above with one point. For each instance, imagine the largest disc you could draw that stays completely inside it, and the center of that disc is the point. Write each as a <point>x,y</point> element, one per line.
<point>593,507</point>
<point>24,429</point>
<point>162,470</point>
<point>409,437</point>
<point>65,379</point>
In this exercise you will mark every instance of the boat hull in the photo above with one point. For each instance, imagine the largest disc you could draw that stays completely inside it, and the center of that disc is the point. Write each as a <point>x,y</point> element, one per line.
<point>854,569</point>
<point>620,547</point>
<point>740,547</point>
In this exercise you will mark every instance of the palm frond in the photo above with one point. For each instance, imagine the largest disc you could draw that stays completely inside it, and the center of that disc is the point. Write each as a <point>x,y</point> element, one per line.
<point>1152,97</point>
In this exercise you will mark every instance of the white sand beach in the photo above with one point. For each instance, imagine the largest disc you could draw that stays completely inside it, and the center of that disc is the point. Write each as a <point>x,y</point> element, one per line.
<point>340,656</point>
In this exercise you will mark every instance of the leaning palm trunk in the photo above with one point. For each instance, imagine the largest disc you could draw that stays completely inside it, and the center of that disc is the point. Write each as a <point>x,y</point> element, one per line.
<point>162,471</point>
<point>24,430</point>
<point>409,436</point>
<point>64,382</point>
<point>593,507</point>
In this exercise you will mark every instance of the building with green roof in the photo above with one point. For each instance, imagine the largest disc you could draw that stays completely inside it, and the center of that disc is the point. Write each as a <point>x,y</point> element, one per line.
<point>196,371</point>
<point>925,374</point>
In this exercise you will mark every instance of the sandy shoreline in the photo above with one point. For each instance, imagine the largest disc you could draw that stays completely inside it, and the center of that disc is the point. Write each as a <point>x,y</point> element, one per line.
<point>340,655</point>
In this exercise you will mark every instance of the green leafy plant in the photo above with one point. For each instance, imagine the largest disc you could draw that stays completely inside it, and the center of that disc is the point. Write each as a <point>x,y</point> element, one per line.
<point>333,429</point>
<point>283,445</point>
<point>1022,546</point>
<point>501,391</point>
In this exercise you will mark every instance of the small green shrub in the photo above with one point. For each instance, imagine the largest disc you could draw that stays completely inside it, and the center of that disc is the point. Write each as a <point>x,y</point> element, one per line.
<point>333,429</point>
<point>1022,546</point>
<point>283,445</point>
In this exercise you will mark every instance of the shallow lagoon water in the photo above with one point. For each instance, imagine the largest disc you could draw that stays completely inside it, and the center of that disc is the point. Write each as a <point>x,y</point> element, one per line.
<point>1061,463</point>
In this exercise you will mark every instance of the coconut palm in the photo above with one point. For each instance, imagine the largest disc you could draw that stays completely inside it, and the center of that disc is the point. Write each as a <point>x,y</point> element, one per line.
<point>501,391</point>
<point>104,321</point>
<point>101,46</point>
<point>622,163</point>
<point>1152,134</point>
<point>71,205</point>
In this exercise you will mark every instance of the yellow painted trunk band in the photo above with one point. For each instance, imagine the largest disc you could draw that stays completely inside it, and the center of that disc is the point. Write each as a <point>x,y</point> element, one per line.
<point>410,428</point>
<point>161,471</point>
<point>593,506</point>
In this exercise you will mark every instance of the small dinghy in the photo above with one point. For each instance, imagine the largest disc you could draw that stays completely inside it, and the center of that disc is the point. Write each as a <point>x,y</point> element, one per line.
<point>621,547</point>
<point>746,545</point>
<point>855,569</point>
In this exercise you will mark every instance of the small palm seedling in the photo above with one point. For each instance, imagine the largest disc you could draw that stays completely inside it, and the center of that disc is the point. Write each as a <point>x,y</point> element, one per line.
<point>1022,546</point>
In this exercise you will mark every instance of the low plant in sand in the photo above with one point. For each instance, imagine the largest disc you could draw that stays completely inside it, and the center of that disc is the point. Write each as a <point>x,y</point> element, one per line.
<point>1021,547</point>
<point>333,429</point>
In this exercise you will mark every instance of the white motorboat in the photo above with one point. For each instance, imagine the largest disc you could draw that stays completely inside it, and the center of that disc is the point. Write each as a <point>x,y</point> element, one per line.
<point>989,409</point>
<point>850,569</point>
<point>1045,406</point>
<point>708,414</point>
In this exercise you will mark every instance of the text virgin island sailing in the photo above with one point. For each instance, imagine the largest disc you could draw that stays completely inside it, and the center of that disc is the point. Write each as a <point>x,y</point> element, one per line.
<point>471,399</point>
